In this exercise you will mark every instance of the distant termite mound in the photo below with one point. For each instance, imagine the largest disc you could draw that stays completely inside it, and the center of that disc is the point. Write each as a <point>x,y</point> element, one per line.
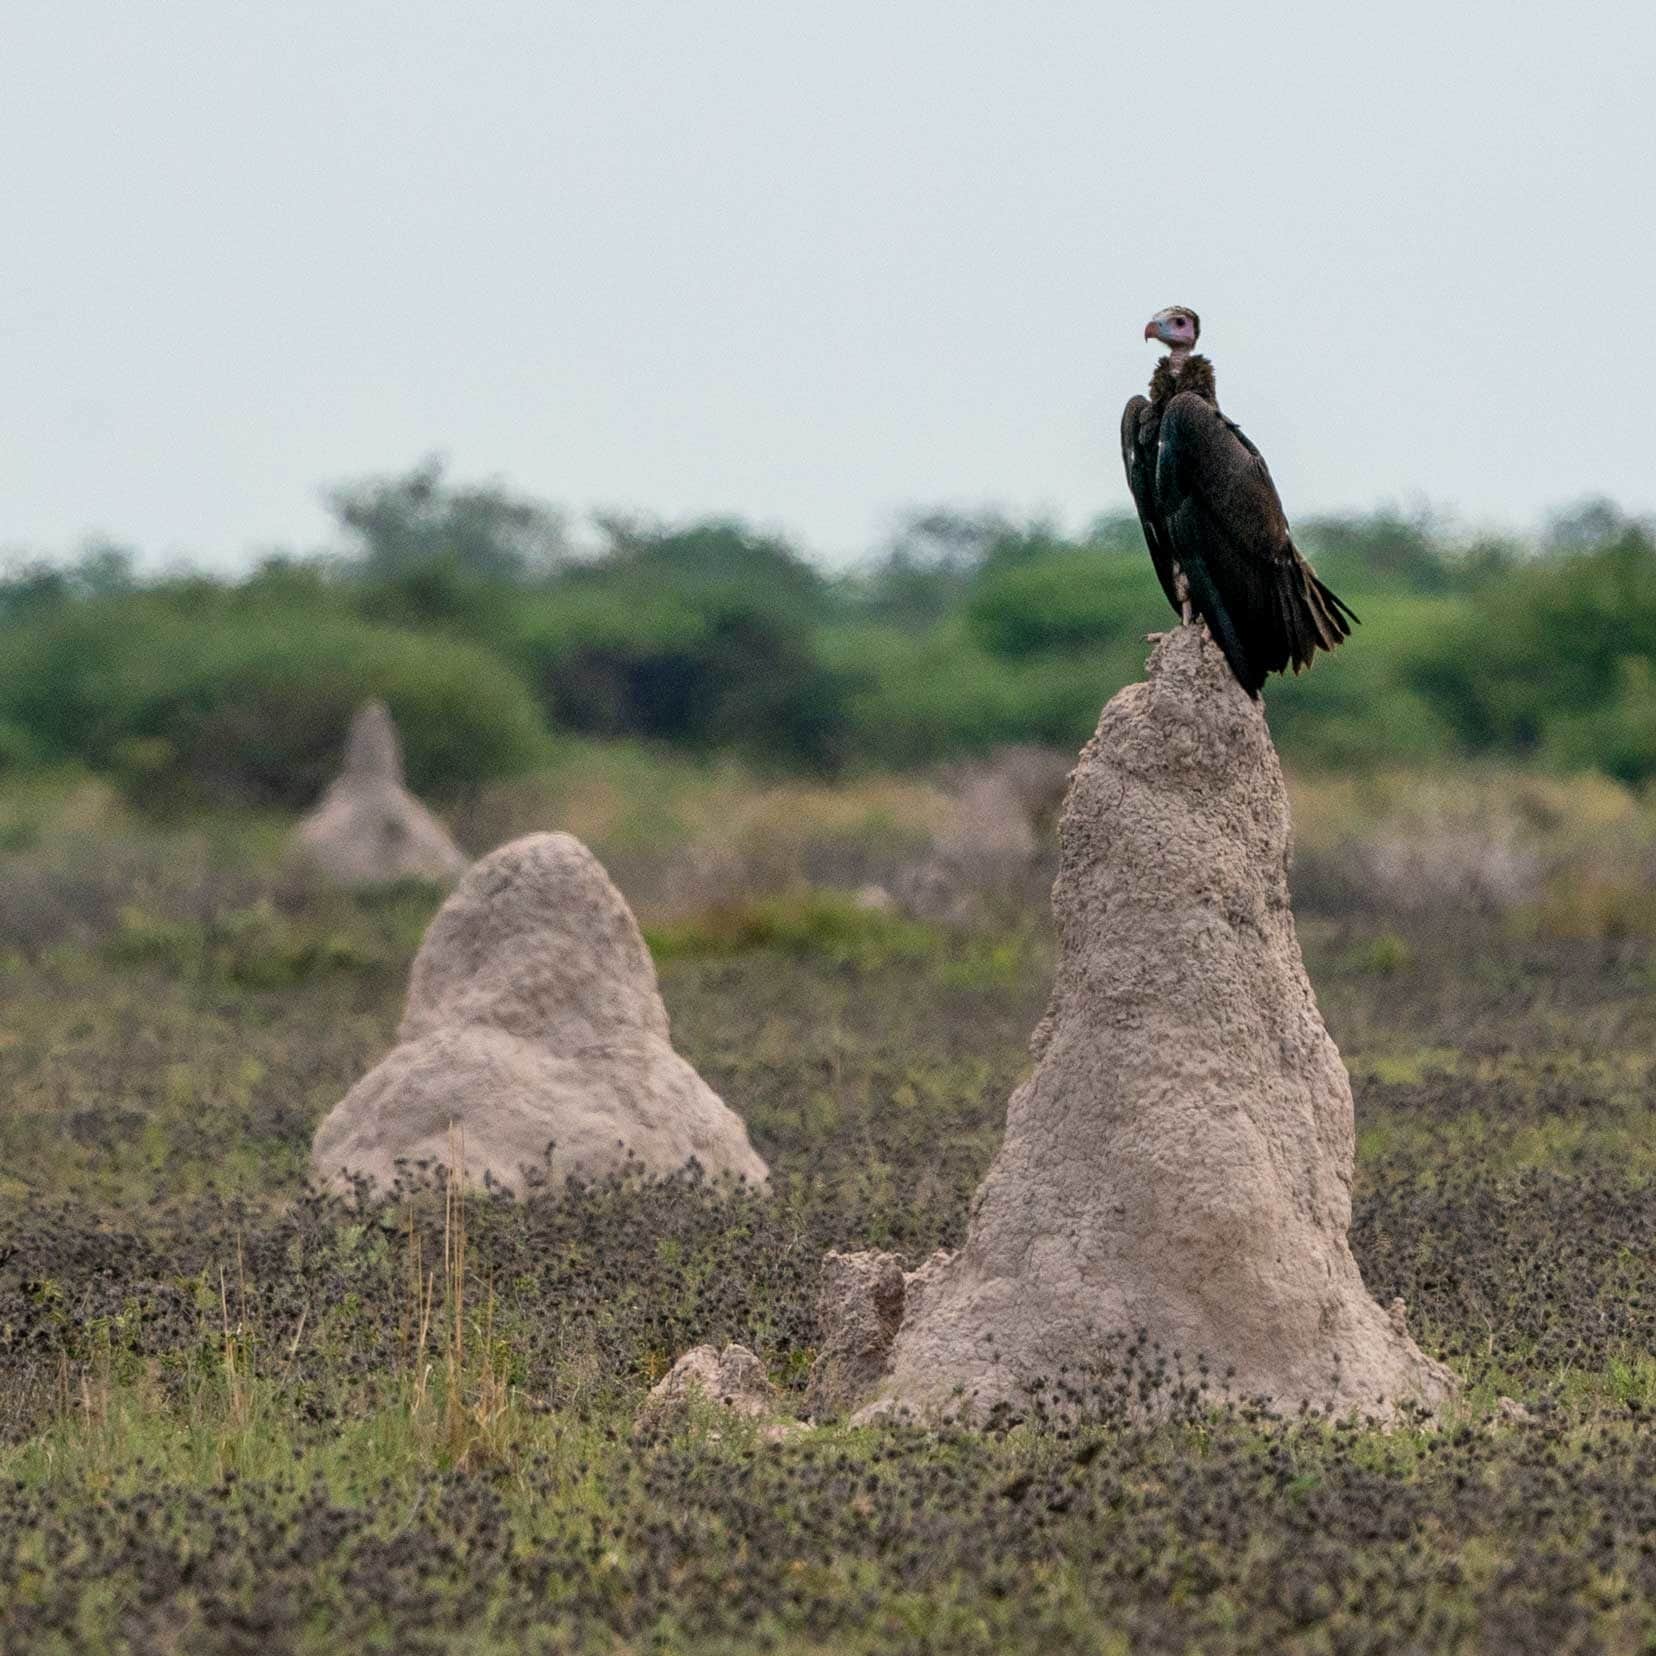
<point>533,1024</point>
<point>1177,1170</point>
<point>369,829</point>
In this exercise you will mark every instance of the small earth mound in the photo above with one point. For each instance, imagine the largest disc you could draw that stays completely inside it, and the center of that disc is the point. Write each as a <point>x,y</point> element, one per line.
<point>534,1025</point>
<point>861,1302</point>
<point>369,829</point>
<point>732,1379</point>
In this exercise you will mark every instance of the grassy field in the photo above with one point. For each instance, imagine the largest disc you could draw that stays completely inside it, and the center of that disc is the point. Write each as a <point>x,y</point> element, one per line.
<point>234,1415</point>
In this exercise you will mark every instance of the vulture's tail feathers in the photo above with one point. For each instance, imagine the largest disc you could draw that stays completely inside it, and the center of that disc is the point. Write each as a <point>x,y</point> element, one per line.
<point>1343,616</point>
<point>1294,622</point>
<point>1315,617</point>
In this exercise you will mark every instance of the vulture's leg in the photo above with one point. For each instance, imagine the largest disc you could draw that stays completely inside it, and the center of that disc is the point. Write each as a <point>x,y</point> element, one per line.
<point>1181,590</point>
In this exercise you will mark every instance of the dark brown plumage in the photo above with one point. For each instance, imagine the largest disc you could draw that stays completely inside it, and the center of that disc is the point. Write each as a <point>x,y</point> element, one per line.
<point>1214,523</point>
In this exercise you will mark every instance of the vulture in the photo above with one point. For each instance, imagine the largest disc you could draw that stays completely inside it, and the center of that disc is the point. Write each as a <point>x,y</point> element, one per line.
<point>1213,521</point>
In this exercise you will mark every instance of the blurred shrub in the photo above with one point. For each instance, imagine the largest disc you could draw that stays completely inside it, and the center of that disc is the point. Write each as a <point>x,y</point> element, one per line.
<point>261,714</point>
<point>1383,551</point>
<point>1062,598</point>
<point>1358,709</point>
<point>190,700</point>
<point>1617,737</point>
<point>257,945</point>
<point>711,566</point>
<point>413,523</point>
<point>18,749</point>
<point>1382,953</point>
<point>35,588</point>
<point>827,926</point>
<point>923,697</point>
<point>254,947</point>
<point>703,637</point>
<point>818,923</point>
<point>1556,660</point>
<point>431,553</point>
<point>732,677</point>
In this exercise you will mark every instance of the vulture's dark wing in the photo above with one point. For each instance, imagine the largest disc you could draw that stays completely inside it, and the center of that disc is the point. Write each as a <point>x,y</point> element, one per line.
<point>1225,522</point>
<point>1138,455</point>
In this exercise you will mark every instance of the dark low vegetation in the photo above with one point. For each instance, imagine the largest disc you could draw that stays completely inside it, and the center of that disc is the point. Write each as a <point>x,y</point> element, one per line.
<point>468,611</point>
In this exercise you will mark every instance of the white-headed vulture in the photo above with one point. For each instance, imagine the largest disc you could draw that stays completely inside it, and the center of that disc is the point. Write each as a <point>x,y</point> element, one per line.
<point>1213,520</point>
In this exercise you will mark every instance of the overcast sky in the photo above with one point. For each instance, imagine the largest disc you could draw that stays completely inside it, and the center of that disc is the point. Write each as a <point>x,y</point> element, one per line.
<point>808,263</point>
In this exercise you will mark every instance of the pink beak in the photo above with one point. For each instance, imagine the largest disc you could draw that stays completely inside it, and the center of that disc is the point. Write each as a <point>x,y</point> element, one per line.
<point>1150,330</point>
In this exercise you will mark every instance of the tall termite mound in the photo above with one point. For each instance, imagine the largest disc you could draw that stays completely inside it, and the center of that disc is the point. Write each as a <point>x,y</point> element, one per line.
<point>1178,1167</point>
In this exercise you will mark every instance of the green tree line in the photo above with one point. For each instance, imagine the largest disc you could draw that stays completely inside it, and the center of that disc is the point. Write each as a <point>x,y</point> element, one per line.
<point>470,611</point>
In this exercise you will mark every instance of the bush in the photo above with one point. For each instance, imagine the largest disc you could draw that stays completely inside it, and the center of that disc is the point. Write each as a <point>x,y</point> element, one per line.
<point>710,566</point>
<point>408,525</point>
<point>1069,599</point>
<point>940,694</point>
<point>1619,736</point>
<point>249,705</point>
<point>810,923</point>
<point>703,668</point>
<point>1553,659</point>
<point>18,749</point>
<point>1357,709</point>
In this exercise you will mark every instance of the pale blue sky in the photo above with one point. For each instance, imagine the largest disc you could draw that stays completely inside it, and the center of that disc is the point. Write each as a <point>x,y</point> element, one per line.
<point>809,263</point>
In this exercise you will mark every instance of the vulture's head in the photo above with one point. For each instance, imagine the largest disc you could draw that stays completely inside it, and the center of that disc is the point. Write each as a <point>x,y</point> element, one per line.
<point>1177,325</point>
